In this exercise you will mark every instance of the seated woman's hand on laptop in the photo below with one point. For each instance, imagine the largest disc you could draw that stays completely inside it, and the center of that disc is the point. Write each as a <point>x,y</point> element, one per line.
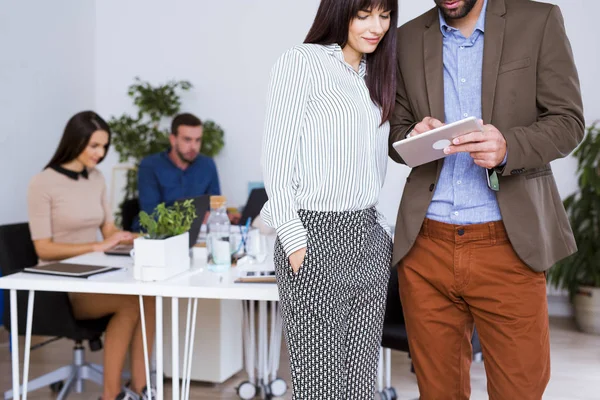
<point>113,240</point>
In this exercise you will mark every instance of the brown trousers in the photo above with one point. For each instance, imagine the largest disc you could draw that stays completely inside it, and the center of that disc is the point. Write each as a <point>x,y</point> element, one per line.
<point>456,276</point>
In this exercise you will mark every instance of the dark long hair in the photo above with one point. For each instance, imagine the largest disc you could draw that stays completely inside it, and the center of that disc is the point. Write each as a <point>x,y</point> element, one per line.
<point>77,135</point>
<point>331,25</point>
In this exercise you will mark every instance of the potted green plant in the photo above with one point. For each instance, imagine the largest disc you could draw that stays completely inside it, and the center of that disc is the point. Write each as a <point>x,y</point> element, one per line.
<point>164,250</point>
<point>579,274</point>
<point>135,137</point>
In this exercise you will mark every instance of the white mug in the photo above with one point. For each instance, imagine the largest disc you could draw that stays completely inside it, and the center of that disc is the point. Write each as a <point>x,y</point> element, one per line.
<point>257,243</point>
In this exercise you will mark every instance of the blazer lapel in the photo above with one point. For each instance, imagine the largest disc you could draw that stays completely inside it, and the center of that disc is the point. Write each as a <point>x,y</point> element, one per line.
<point>434,72</point>
<point>492,52</point>
<point>434,69</point>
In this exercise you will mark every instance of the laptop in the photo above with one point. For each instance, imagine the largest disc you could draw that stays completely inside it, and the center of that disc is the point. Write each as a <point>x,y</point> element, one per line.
<point>255,203</point>
<point>202,205</point>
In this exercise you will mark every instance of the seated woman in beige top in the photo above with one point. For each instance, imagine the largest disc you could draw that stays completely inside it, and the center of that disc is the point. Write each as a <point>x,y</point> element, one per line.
<point>67,207</point>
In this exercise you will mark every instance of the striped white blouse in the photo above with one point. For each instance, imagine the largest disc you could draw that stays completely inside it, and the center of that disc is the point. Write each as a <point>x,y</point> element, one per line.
<point>323,148</point>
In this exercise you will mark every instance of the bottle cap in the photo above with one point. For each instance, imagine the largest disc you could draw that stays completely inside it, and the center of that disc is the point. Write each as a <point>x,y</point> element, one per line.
<point>217,201</point>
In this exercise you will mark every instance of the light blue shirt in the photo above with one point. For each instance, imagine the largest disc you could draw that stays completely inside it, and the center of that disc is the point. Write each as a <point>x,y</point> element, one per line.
<point>462,195</point>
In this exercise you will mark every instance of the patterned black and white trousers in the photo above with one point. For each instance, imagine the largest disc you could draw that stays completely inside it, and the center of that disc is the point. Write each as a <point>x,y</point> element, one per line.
<point>333,307</point>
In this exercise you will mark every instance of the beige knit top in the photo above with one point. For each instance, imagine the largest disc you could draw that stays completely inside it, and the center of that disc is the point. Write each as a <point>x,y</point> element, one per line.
<point>67,208</point>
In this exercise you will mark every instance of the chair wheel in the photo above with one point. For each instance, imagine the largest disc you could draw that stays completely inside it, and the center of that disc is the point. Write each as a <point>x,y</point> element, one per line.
<point>278,387</point>
<point>246,390</point>
<point>381,395</point>
<point>391,393</point>
<point>56,387</point>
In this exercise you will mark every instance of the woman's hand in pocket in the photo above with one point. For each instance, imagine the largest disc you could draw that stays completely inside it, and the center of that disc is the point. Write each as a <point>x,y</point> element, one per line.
<point>297,258</point>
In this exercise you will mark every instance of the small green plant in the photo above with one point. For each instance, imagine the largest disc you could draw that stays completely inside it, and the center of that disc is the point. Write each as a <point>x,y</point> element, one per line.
<point>166,222</point>
<point>583,208</point>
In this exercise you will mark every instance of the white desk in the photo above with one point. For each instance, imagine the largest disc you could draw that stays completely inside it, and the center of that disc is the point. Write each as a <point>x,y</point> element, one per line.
<point>198,283</point>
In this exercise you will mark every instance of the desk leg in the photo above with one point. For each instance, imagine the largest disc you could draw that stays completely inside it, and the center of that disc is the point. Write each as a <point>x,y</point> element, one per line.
<point>145,344</point>
<point>249,343</point>
<point>272,342</point>
<point>28,341</point>
<point>186,349</point>
<point>253,351</point>
<point>263,349</point>
<point>278,335</point>
<point>380,371</point>
<point>277,387</point>
<point>388,368</point>
<point>160,391</point>
<point>175,346</point>
<point>189,352</point>
<point>14,338</point>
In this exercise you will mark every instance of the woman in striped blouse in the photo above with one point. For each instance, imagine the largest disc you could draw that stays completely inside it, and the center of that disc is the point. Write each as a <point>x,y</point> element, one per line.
<point>324,162</point>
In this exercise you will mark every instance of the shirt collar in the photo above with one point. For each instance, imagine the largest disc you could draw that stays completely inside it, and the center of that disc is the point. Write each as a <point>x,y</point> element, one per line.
<point>480,25</point>
<point>165,155</point>
<point>70,174</point>
<point>335,50</point>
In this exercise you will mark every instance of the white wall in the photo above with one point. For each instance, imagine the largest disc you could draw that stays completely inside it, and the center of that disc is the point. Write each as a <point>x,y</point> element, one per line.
<point>46,76</point>
<point>227,49</point>
<point>65,56</point>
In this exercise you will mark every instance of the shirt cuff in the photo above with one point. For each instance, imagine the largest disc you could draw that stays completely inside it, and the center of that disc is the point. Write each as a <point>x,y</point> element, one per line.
<point>383,223</point>
<point>503,163</point>
<point>292,236</point>
<point>387,229</point>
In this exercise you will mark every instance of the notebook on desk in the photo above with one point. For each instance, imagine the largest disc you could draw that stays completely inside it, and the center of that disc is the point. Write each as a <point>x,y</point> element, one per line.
<point>69,269</point>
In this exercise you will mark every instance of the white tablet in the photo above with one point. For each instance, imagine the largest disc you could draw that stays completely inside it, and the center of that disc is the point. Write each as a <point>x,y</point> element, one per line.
<point>429,146</point>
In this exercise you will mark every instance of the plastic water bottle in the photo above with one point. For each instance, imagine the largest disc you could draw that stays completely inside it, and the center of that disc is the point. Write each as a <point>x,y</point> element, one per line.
<point>217,239</point>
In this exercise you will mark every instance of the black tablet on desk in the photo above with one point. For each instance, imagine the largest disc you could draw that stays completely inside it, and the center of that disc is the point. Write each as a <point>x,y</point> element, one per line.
<point>69,270</point>
<point>256,277</point>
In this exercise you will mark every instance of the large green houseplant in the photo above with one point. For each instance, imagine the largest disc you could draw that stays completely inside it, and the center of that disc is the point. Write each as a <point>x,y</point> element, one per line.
<point>579,274</point>
<point>147,132</point>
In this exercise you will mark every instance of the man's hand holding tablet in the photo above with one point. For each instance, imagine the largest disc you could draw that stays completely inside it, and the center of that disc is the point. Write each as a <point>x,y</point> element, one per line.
<point>486,146</point>
<point>426,125</point>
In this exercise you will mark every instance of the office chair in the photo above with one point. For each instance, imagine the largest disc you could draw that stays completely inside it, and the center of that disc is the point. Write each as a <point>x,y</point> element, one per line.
<point>130,209</point>
<point>52,316</point>
<point>395,338</point>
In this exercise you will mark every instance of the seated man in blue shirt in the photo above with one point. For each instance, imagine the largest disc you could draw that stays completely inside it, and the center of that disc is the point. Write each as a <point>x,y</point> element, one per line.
<point>179,172</point>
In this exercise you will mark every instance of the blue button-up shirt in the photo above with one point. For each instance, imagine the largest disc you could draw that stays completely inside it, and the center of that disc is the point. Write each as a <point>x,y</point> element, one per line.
<point>462,195</point>
<point>160,180</point>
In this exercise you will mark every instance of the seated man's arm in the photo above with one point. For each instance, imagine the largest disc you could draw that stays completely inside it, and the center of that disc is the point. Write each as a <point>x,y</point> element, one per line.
<point>148,187</point>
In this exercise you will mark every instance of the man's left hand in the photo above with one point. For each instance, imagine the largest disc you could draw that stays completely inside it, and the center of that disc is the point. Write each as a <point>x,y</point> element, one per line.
<point>234,217</point>
<point>487,148</point>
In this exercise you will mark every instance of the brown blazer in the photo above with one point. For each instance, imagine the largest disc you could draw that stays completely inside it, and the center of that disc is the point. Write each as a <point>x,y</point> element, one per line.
<point>530,92</point>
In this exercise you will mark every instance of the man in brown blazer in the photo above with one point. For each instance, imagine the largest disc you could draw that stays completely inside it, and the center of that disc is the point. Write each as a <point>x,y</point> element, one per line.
<point>469,252</point>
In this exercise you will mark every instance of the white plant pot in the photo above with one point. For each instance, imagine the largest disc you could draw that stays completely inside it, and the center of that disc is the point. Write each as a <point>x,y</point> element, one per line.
<point>157,260</point>
<point>587,309</point>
